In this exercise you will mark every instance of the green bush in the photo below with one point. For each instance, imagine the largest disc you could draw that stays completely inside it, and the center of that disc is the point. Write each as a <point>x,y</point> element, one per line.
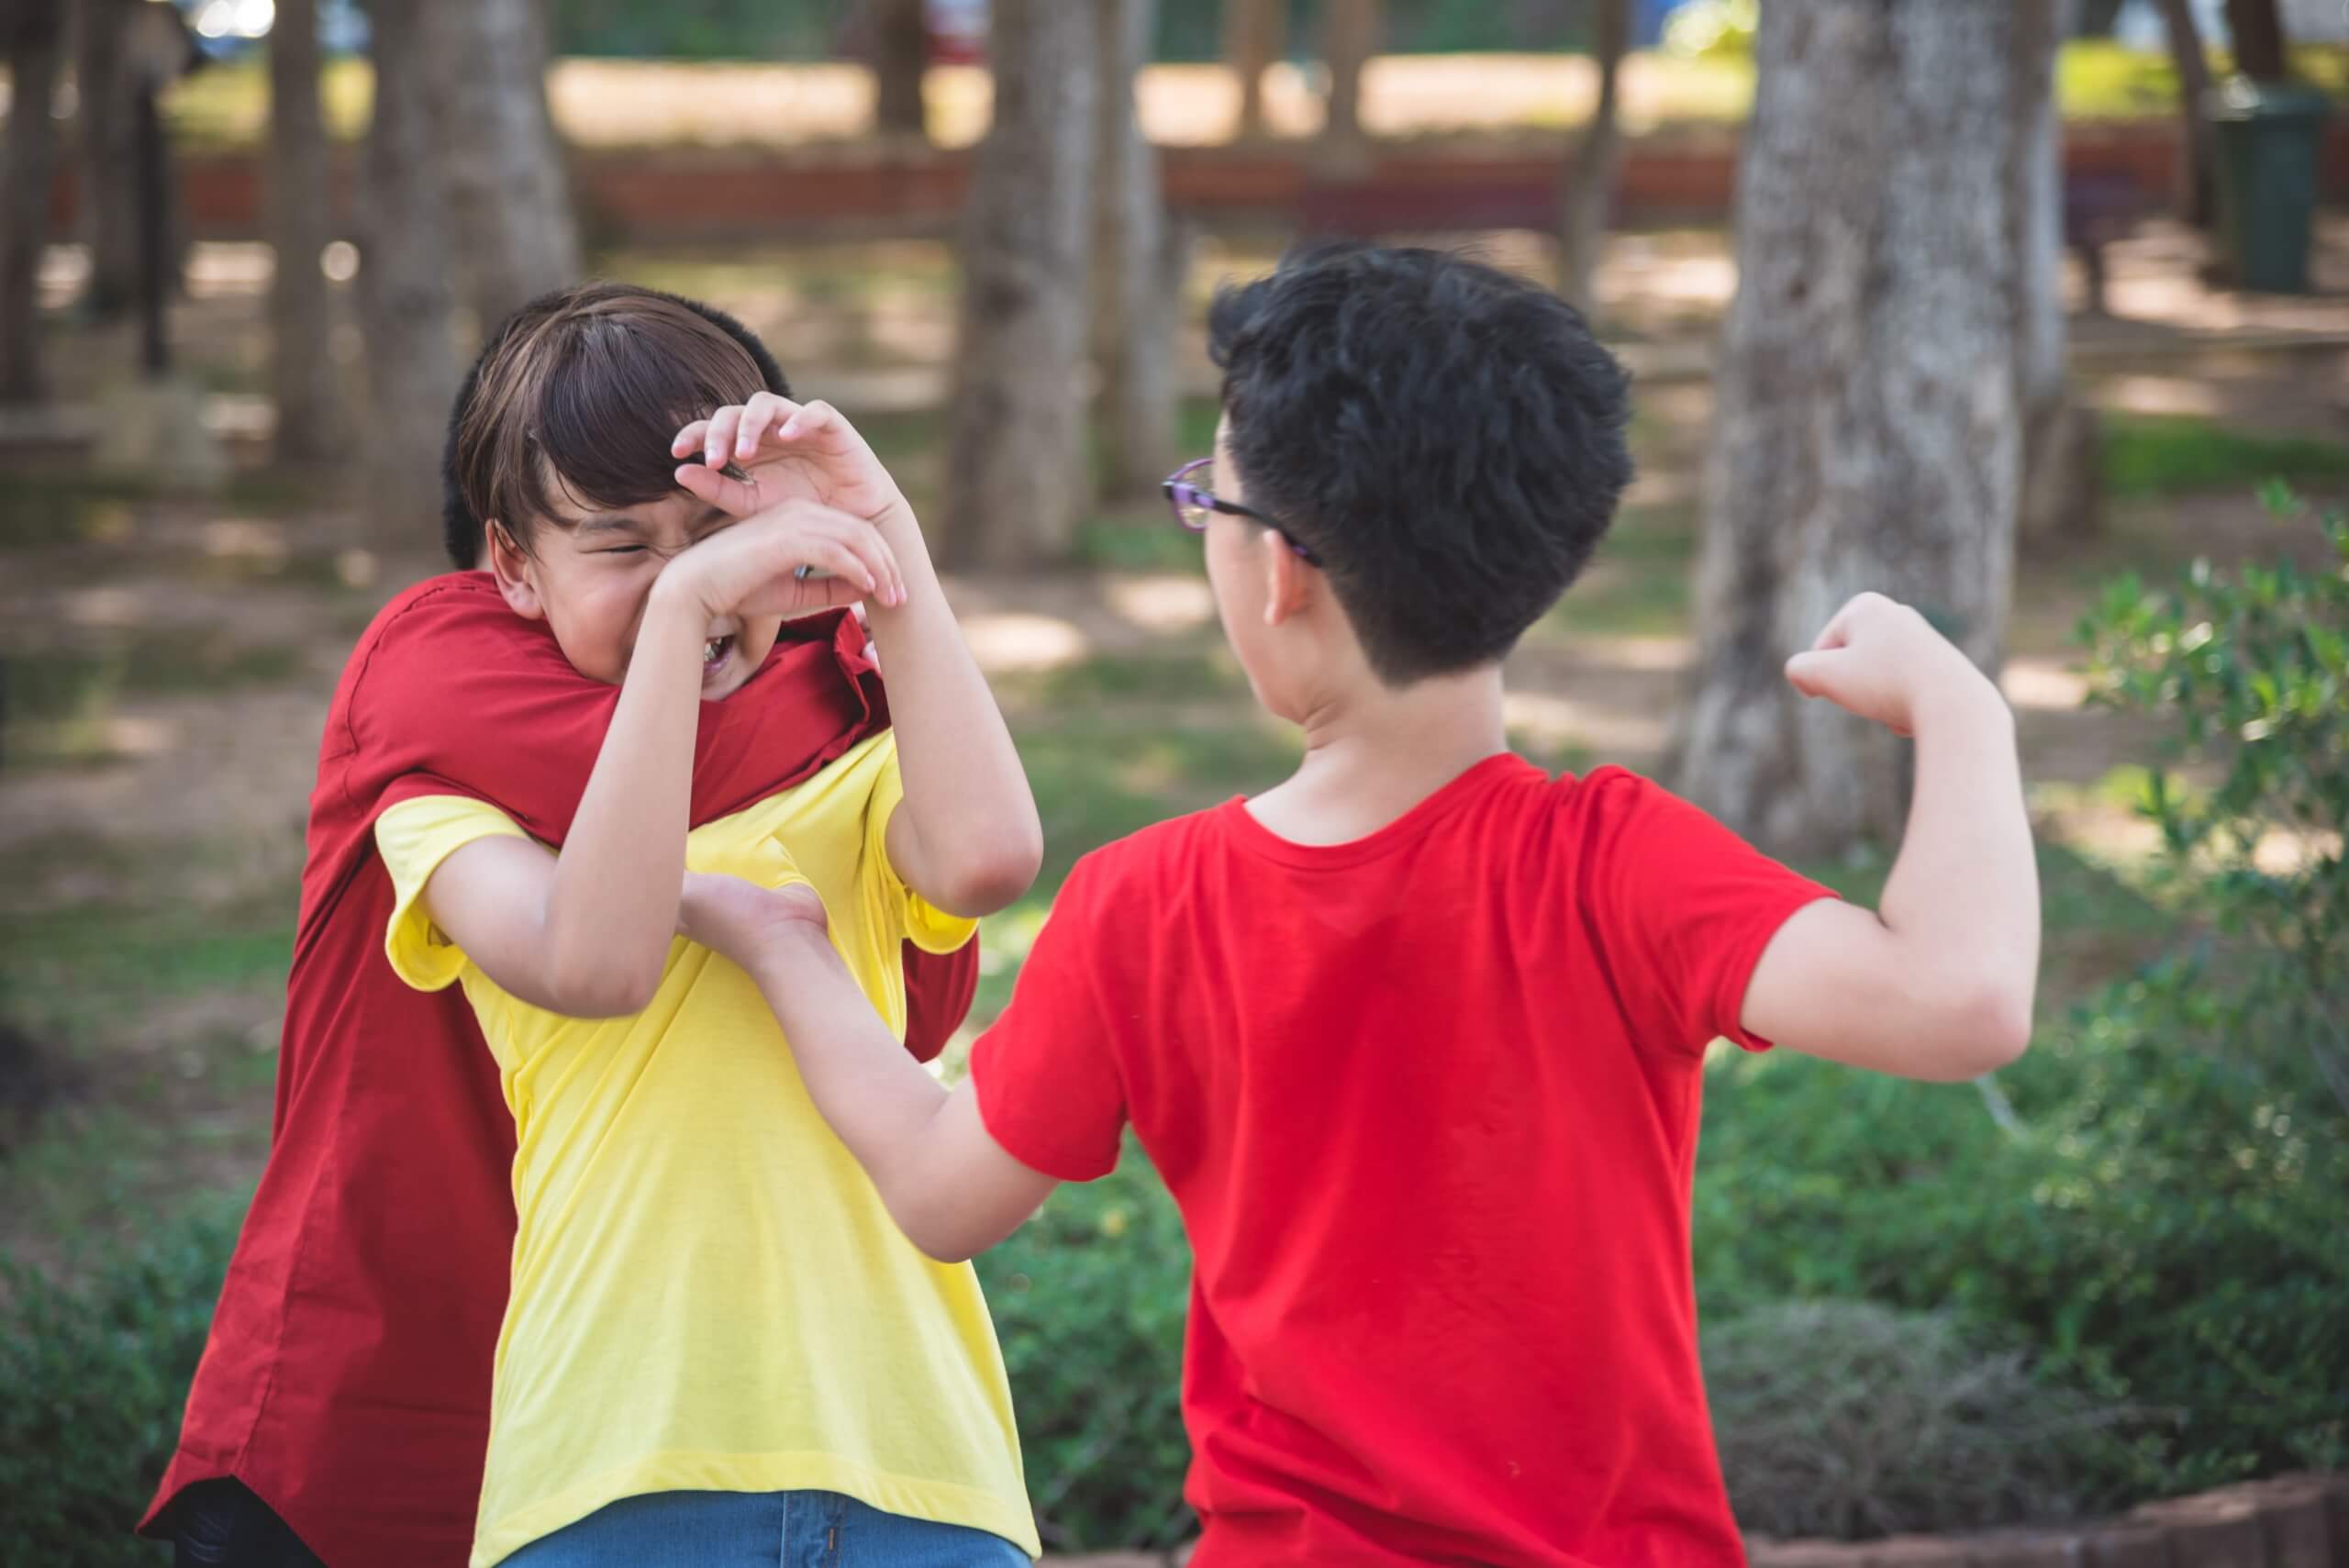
<point>97,1373</point>
<point>1845,1418</point>
<point>1089,1300</point>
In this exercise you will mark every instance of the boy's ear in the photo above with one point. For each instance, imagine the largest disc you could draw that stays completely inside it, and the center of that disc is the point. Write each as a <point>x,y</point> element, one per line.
<point>511,567</point>
<point>1287,584</point>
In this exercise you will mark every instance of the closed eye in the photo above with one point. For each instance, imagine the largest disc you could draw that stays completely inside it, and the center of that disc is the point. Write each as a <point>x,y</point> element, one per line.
<point>620,549</point>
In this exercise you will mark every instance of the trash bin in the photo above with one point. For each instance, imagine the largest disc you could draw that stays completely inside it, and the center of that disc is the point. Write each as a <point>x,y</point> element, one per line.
<point>2268,137</point>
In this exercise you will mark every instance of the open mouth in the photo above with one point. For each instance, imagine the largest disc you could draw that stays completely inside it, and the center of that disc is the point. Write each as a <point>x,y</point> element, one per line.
<point>714,650</point>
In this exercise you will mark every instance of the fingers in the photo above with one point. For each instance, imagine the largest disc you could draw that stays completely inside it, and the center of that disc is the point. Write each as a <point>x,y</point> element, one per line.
<point>735,497</point>
<point>718,441</point>
<point>759,415</point>
<point>810,419</point>
<point>851,549</point>
<point>1811,673</point>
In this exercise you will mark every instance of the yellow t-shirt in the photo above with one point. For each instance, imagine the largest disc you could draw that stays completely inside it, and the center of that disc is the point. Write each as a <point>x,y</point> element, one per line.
<point>708,1293</point>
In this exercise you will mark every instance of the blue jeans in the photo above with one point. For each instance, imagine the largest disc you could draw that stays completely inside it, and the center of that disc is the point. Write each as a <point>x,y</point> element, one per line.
<point>761,1530</point>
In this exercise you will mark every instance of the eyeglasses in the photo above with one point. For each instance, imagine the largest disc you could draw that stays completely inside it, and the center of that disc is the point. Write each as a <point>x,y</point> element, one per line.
<point>1194,504</point>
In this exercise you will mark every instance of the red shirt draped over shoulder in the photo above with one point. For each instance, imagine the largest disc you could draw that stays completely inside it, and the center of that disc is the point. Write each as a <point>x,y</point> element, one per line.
<point>347,1377</point>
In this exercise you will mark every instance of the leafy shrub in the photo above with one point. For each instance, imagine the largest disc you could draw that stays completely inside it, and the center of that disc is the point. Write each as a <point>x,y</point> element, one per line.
<point>1089,1300</point>
<point>96,1374</point>
<point>1847,1418</point>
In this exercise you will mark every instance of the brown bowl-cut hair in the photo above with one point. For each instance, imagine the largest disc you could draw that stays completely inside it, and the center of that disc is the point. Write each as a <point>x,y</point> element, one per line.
<point>582,390</point>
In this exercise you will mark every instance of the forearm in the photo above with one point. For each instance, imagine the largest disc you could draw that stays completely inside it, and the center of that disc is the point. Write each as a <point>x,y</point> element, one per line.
<point>1962,898</point>
<point>611,906</point>
<point>974,841</point>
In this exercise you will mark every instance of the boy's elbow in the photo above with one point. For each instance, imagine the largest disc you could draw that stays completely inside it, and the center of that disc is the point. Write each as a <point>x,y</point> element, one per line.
<point>1987,1029</point>
<point>603,990</point>
<point>993,876</point>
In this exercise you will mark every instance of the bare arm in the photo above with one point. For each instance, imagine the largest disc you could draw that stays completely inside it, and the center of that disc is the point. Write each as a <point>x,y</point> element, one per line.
<point>966,837</point>
<point>1938,982</point>
<point>952,1188</point>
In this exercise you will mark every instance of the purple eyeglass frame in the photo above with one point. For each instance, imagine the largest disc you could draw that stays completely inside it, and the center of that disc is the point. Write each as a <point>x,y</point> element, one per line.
<point>1181,495</point>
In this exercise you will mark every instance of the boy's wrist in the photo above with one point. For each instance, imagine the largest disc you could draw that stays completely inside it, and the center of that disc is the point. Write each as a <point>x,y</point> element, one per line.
<point>1962,696</point>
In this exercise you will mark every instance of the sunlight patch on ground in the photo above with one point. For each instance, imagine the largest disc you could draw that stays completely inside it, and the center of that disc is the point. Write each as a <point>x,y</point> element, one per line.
<point>1161,604</point>
<point>1546,722</point>
<point>2044,685</point>
<point>1013,640</point>
<point>2162,394</point>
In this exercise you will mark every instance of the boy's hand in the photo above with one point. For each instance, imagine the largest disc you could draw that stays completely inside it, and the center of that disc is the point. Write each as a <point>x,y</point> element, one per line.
<point>806,452</point>
<point>792,559</point>
<point>1881,661</point>
<point>741,919</point>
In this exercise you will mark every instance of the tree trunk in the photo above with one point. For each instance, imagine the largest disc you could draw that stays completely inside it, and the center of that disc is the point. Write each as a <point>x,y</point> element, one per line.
<point>1590,173</point>
<point>105,148</point>
<point>36,42</point>
<point>900,39</point>
<point>2197,173</point>
<point>404,294</point>
<point>301,368</point>
<point>1254,34</point>
<point>1352,32</point>
<point>1134,298</point>
<point>1017,483</point>
<point>2097,19</point>
<point>509,193</point>
<point>2060,488</point>
<point>1866,431</point>
<point>2258,29</point>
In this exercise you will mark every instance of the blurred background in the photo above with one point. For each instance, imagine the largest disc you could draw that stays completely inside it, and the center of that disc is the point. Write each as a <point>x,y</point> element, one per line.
<point>2035,313</point>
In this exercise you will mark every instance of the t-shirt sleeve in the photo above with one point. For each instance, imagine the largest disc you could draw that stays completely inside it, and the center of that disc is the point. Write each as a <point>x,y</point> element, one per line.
<point>413,837</point>
<point>928,927</point>
<point>1684,908</point>
<point>1046,1074</point>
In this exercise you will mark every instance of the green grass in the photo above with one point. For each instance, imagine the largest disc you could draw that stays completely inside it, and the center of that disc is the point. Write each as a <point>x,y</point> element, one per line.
<point>2161,454</point>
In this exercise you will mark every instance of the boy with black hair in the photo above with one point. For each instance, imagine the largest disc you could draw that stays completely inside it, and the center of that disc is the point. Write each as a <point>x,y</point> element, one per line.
<point>1417,1037</point>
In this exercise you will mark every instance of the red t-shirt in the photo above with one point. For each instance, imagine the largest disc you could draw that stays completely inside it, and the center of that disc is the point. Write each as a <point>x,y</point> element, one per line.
<point>345,1379</point>
<point>1428,1102</point>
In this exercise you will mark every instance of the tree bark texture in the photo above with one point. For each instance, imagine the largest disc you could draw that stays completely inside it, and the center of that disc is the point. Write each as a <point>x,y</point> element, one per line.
<point>2060,490</point>
<point>1137,288</point>
<point>1588,193</point>
<point>2197,191</point>
<point>509,193</point>
<point>898,31</point>
<point>1255,32</point>
<point>405,299</point>
<point>1867,430</point>
<point>1015,483</point>
<point>107,153</point>
<point>301,329</point>
<point>1352,31</point>
<point>36,42</point>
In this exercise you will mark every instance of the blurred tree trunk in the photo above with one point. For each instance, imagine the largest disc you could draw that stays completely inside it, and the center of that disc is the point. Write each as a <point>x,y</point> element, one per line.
<point>899,33</point>
<point>301,368</point>
<point>509,194</point>
<point>404,295</point>
<point>1590,175</point>
<point>1867,432</point>
<point>1016,485</point>
<point>2197,191</point>
<point>1254,35</point>
<point>1352,32</point>
<point>2060,472</point>
<point>2257,26</point>
<point>107,153</point>
<point>2097,19</point>
<point>1134,298</point>
<point>35,40</point>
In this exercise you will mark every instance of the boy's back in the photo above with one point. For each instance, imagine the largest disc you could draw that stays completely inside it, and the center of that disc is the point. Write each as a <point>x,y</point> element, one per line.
<point>1428,1103</point>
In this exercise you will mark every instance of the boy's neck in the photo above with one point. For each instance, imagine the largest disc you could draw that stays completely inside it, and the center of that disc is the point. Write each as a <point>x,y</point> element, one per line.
<point>1374,753</point>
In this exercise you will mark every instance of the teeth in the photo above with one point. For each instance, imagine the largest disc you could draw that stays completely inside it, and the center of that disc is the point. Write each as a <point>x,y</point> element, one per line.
<point>710,650</point>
